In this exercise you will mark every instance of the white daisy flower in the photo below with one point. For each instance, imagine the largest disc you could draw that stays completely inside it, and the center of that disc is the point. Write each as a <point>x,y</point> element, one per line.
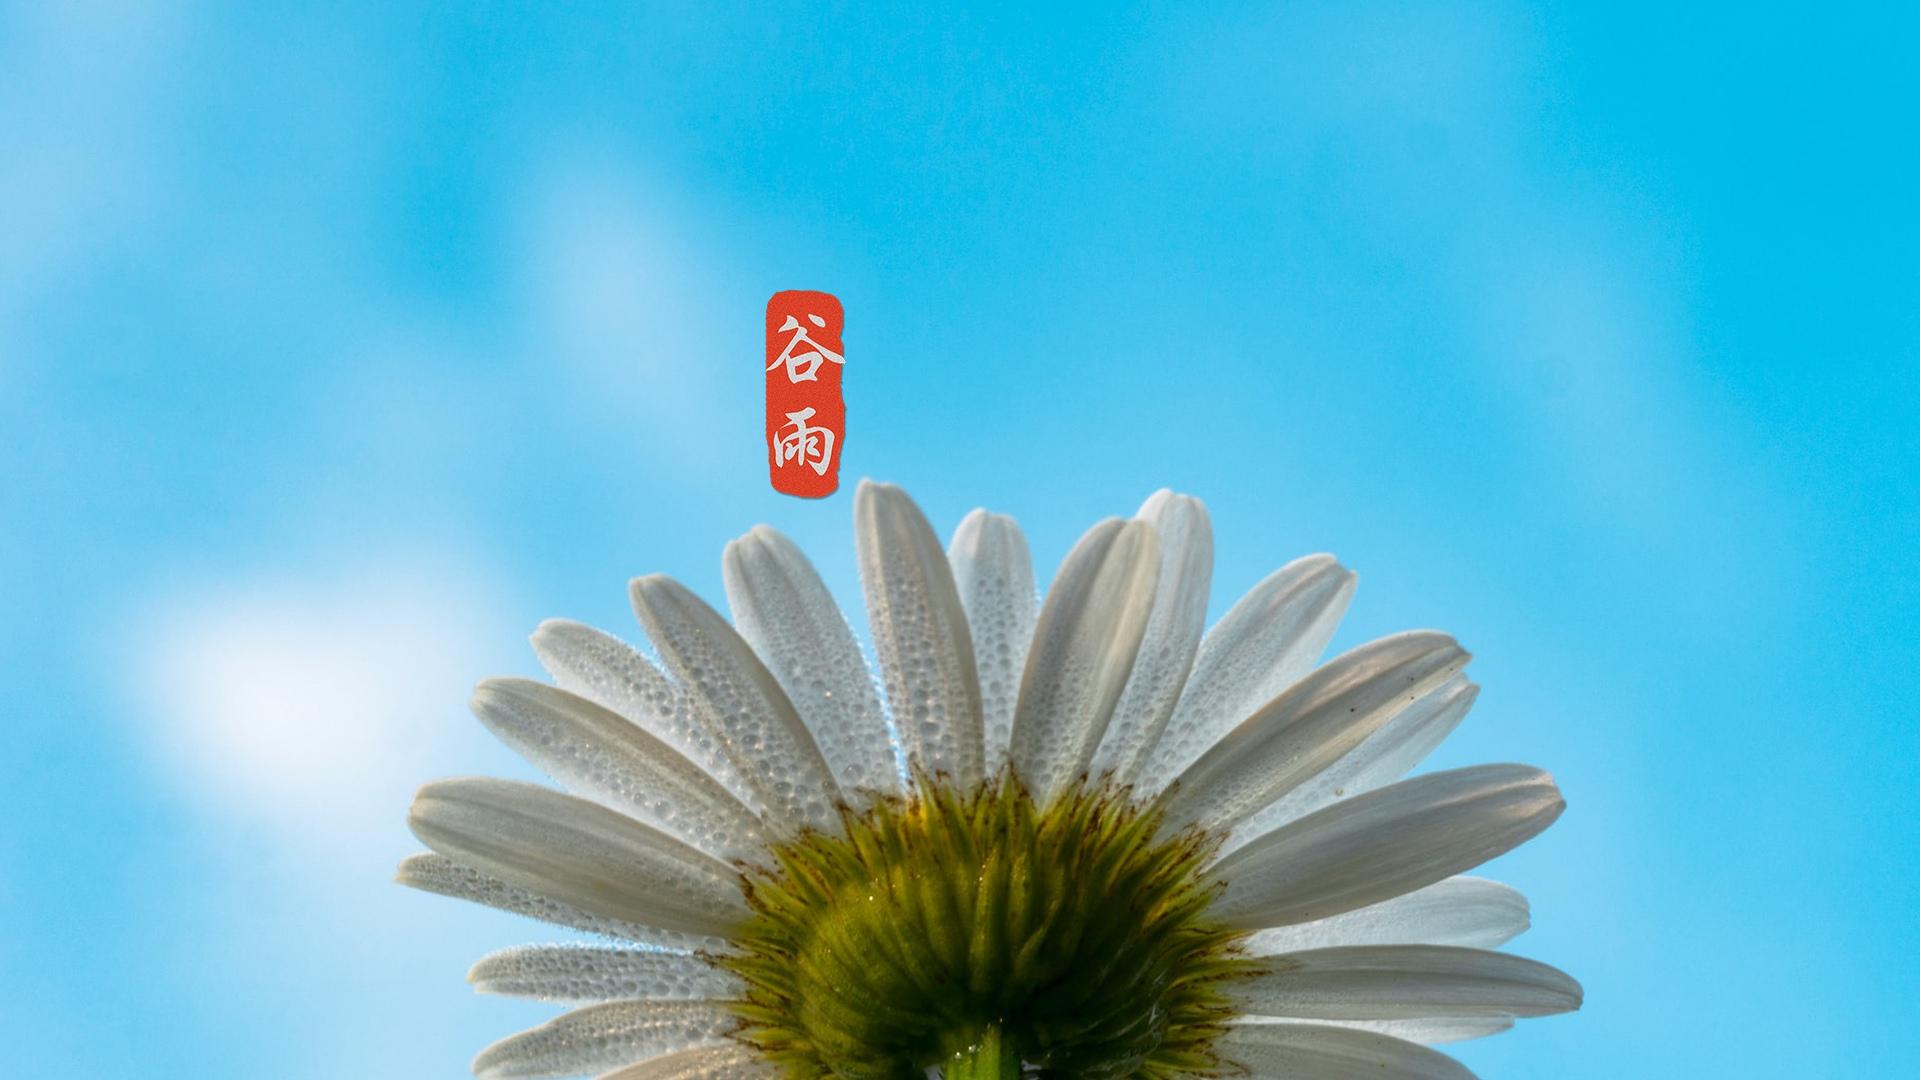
<point>1086,841</point>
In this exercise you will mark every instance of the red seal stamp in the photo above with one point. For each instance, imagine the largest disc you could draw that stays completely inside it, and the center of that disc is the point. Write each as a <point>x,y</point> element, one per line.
<point>806,417</point>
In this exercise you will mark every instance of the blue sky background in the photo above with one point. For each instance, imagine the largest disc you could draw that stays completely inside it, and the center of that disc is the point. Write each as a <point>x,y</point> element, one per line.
<point>337,349</point>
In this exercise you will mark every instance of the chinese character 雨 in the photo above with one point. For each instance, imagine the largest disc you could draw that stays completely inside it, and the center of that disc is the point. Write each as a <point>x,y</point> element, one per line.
<point>802,366</point>
<point>812,447</point>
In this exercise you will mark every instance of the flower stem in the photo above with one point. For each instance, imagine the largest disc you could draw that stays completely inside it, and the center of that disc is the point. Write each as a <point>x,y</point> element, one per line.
<point>991,1057</point>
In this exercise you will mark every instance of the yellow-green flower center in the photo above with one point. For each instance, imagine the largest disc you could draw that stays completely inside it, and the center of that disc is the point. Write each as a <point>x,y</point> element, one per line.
<point>979,932</point>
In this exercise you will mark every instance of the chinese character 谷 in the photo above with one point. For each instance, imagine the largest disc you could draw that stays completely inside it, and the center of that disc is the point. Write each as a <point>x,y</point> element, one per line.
<point>801,366</point>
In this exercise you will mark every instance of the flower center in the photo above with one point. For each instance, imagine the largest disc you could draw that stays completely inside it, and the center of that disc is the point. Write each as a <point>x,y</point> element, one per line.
<point>987,935</point>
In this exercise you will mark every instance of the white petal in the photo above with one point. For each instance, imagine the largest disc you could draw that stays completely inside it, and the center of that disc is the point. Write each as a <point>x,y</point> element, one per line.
<point>1426,1029</point>
<point>1466,911</point>
<point>730,1062</point>
<point>784,611</point>
<point>1309,727</point>
<point>919,635</point>
<point>1263,645</point>
<point>737,697</point>
<point>603,669</point>
<point>1173,634</point>
<point>1387,842</point>
<point>1397,982</point>
<point>1328,1052</point>
<point>442,876</point>
<point>604,1037</point>
<point>599,754</point>
<point>1381,758</point>
<point>579,853</point>
<point>994,576</point>
<point>582,973</point>
<point>1083,651</point>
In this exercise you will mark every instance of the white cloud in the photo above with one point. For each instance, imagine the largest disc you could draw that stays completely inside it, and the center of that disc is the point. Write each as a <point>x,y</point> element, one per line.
<point>313,706</point>
<point>77,113</point>
<point>624,299</point>
<point>298,712</point>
